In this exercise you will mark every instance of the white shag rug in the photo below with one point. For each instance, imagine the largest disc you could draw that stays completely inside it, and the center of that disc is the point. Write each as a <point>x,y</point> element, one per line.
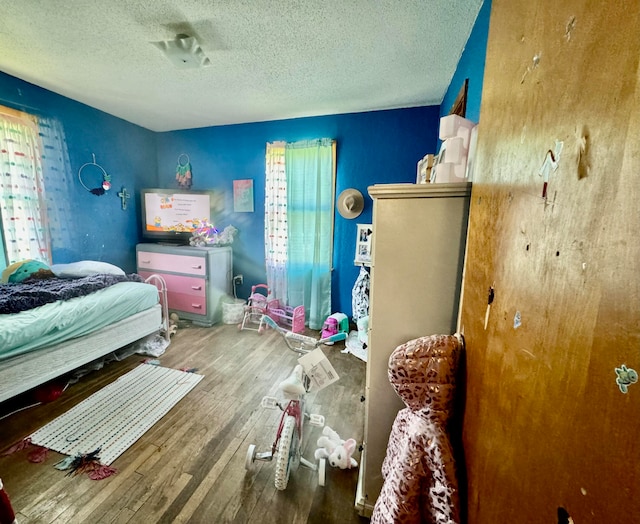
<point>113,418</point>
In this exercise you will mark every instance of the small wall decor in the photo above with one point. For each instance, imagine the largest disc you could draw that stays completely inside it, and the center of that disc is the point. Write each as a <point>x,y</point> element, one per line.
<point>243,196</point>
<point>106,179</point>
<point>363,244</point>
<point>124,196</point>
<point>183,171</point>
<point>625,377</point>
<point>350,203</point>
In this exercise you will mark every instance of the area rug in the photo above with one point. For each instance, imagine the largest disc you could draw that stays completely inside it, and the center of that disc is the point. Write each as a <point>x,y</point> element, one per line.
<point>115,417</point>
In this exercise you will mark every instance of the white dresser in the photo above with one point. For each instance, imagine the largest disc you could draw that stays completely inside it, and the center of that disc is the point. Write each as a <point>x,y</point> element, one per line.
<point>419,237</point>
<point>197,278</point>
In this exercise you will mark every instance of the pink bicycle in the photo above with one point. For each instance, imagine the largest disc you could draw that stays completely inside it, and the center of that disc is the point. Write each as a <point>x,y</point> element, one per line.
<point>287,445</point>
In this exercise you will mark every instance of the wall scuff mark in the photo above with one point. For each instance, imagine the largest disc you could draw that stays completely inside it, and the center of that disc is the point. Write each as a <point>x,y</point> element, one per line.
<point>584,163</point>
<point>571,24</point>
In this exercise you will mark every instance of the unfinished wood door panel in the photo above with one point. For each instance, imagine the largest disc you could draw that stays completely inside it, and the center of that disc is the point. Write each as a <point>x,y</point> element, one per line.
<point>546,425</point>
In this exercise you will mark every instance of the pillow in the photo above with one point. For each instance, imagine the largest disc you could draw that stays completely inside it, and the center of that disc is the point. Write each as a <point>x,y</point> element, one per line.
<point>85,268</point>
<point>23,270</point>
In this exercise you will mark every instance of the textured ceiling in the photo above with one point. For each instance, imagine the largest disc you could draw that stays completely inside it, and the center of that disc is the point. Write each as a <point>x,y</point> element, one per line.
<point>270,59</point>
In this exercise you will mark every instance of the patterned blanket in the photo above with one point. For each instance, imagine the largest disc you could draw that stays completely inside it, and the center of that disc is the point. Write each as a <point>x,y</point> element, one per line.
<point>31,294</point>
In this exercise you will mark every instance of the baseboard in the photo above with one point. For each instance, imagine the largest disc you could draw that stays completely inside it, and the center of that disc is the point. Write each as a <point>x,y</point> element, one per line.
<point>362,506</point>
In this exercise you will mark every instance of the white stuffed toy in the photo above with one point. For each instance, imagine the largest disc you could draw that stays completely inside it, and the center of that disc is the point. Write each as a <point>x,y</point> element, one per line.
<point>337,451</point>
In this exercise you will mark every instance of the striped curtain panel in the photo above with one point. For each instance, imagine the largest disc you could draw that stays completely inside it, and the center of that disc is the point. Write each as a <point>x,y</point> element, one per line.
<point>22,196</point>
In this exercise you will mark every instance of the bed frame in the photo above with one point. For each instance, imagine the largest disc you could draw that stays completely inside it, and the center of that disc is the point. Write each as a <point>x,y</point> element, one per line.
<point>26,371</point>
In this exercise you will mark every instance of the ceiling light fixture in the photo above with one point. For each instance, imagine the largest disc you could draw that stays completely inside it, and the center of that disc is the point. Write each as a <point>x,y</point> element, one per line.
<point>184,52</point>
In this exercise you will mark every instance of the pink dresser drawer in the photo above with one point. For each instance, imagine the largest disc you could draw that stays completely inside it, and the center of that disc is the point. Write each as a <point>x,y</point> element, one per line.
<point>167,262</point>
<point>197,278</point>
<point>187,285</point>
<point>188,303</point>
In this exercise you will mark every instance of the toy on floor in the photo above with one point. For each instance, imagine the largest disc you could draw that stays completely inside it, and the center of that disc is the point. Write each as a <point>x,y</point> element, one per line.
<point>336,323</point>
<point>288,317</point>
<point>301,343</point>
<point>256,307</point>
<point>338,451</point>
<point>287,446</point>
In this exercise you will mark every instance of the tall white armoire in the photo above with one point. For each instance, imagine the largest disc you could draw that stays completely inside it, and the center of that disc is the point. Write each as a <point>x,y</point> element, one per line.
<point>419,236</point>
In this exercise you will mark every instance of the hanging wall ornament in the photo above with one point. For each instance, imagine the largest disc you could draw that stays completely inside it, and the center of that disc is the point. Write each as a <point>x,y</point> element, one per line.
<point>89,168</point>
<point>183,171</point>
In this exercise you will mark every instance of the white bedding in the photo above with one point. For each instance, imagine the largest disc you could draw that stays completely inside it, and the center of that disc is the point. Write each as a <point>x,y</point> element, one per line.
<point>52,323</point>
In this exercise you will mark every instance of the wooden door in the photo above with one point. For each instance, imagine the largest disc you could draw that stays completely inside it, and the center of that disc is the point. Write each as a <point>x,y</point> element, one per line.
<point>547,428</point>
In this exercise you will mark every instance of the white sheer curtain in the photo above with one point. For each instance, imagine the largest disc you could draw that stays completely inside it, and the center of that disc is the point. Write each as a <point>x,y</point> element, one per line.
<point>22,196</point>
<point>299,202</point>
<point>275,220</point>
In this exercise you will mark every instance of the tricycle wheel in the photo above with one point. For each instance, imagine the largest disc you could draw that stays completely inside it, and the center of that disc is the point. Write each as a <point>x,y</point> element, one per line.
<point>322,466</point>
<point>251,455</point>
<point>287,453</point>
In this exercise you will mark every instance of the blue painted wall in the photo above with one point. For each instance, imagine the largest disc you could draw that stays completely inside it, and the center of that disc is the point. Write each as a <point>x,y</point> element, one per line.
<point>86,226</point>
<point>374,147</point>
<point>471,66</point>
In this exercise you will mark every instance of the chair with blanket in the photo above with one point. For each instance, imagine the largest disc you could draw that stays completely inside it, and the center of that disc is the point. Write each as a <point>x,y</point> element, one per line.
<point>419,471</point>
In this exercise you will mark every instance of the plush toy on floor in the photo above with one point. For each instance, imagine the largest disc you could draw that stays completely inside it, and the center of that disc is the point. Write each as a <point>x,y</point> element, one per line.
<point>337,451</point>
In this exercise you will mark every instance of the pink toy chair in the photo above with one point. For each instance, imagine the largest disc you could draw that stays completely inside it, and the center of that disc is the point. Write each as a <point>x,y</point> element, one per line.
<point>257,306</point>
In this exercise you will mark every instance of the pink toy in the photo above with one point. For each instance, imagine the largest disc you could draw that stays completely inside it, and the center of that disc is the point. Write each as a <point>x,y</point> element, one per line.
<point>330,327</point>
<point>257,306</point>
<point>291,318</point>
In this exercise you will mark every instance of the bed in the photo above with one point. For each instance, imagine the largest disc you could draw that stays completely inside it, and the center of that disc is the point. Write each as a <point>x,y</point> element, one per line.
<point>75,318</point>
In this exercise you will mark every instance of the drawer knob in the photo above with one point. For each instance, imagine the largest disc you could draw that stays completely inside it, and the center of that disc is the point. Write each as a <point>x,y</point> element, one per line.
<point>196,288</point>
<point>146,261</point>
<point>199,266</point>
<point>196,306</point>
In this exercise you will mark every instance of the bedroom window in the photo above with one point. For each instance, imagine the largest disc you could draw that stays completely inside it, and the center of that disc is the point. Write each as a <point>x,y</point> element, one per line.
<point>22,198</point>
<point>299,202</point>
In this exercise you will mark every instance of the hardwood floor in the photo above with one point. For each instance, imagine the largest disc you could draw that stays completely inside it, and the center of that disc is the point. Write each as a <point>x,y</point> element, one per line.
<point>189,467</point>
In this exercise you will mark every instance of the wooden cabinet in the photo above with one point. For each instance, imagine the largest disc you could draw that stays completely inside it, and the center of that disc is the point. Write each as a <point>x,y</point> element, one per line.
<point>197,278</point>
<point>419,236</point>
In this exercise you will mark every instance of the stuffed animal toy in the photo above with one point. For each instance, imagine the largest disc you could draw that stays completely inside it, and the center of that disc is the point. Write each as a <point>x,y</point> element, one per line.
<point>337,451</point>
<point>26,270</point>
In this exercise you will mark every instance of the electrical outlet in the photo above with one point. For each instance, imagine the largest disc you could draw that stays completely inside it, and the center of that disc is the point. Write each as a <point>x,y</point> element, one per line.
<point>238,280</point>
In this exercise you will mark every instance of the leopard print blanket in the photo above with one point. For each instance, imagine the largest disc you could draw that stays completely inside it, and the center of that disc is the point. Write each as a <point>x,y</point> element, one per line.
<point>420,483</point>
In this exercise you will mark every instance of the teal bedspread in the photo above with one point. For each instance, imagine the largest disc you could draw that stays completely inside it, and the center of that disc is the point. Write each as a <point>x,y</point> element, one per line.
<point>59,321</point>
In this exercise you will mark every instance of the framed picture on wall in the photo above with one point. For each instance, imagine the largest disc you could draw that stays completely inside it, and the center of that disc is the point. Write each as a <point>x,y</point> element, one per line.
<point>364,233</point>
<point>243,196</point>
